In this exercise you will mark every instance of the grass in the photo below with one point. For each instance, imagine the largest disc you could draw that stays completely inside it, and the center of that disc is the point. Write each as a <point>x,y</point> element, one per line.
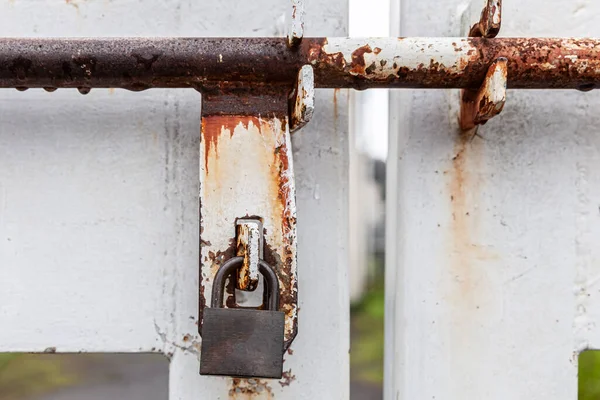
<point>25,375</point>
<point>367,344</point>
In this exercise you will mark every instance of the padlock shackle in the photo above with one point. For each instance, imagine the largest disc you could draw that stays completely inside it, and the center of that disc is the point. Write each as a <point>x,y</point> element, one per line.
<point>229,267</point>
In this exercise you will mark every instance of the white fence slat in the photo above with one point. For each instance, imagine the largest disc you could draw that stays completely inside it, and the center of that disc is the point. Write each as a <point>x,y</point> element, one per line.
<point>494,275</point>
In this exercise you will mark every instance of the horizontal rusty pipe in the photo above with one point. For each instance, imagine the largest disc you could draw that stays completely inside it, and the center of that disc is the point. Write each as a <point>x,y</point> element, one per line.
<point>214,64</point>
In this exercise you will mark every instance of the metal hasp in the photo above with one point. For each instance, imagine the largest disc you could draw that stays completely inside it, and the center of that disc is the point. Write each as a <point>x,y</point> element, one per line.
<point>250,245</point>
<point>479,106</point>
<point>246,173</point>
<point>243,342</point>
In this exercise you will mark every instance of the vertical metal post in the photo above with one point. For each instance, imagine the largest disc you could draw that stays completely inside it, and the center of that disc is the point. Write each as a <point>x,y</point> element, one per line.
<point>493,262</point>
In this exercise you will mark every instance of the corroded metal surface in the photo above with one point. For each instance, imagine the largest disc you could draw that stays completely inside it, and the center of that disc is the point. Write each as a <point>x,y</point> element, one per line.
<point>479,106</point>
<point>249,246</point>
<point>217,64</point>
<point>243,342</point>
<point>454,62</point>
<point>490,22</point>
<point>482,105</point>
<point>297,26</point>
<point>246,171</point>
<point>302,102</point>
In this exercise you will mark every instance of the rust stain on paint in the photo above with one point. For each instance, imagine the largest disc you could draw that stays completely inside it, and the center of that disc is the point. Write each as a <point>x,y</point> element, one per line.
<point>470,260</point>
<point>470,299</point>
<point>464,190</point>
<point>282,203</point>
<point>216,125</point>
<point>74,4</point>
<point>335,104</point>
<point>247,389</point>
<point>282,181</point>
<point>335,109</point>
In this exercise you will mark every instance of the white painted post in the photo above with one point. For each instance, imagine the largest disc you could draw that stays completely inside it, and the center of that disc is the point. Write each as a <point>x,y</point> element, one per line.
<point>493,257</point>
<point>99,205</point>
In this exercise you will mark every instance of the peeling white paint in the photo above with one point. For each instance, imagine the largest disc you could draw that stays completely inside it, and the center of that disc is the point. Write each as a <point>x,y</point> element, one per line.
<point>304,101</point>
<point>388,55</point>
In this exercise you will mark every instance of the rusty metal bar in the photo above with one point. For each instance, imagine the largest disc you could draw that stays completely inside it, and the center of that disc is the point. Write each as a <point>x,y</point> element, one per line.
<point>215,64</point>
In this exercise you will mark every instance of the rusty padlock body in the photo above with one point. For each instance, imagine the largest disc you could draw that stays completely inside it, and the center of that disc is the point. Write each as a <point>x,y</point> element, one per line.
<point>243,342</point>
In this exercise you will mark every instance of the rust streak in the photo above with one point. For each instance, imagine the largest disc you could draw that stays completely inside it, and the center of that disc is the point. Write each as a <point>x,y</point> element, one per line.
<point>282,195</point>
<point>470,298</point>
<point>461,214</point>
<point>215,125</point>
<point>282,163</point>
<point>465,187</point>
<point>466,255</point>
<point>73,3</point>
<point>335,106</point>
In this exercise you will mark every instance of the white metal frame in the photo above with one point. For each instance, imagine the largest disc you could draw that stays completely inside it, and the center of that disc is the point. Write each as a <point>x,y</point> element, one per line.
<point>99,205</point>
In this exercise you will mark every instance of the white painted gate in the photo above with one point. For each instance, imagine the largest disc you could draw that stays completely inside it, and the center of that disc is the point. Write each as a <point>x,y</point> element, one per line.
<point>493,263</point>
<point>493,241</point>
<point>99,204</point>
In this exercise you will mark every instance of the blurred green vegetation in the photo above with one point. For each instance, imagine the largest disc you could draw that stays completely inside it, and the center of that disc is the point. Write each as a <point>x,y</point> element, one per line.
<point>589,375</point>
<point>25,375</point>
<point>367,346</point>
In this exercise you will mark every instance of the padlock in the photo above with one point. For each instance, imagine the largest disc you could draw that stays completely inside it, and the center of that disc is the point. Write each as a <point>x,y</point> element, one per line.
<point>242,342</point>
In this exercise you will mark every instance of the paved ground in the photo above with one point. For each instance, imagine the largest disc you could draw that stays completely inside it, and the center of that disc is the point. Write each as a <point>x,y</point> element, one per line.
<point>143,377</point>
<point>119,376</point>
<point>365,391</point>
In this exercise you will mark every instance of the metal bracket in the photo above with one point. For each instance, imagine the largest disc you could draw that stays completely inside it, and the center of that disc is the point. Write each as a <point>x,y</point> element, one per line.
<point>490,21</point>
<point>479,106</point>
<point>302,102</point>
